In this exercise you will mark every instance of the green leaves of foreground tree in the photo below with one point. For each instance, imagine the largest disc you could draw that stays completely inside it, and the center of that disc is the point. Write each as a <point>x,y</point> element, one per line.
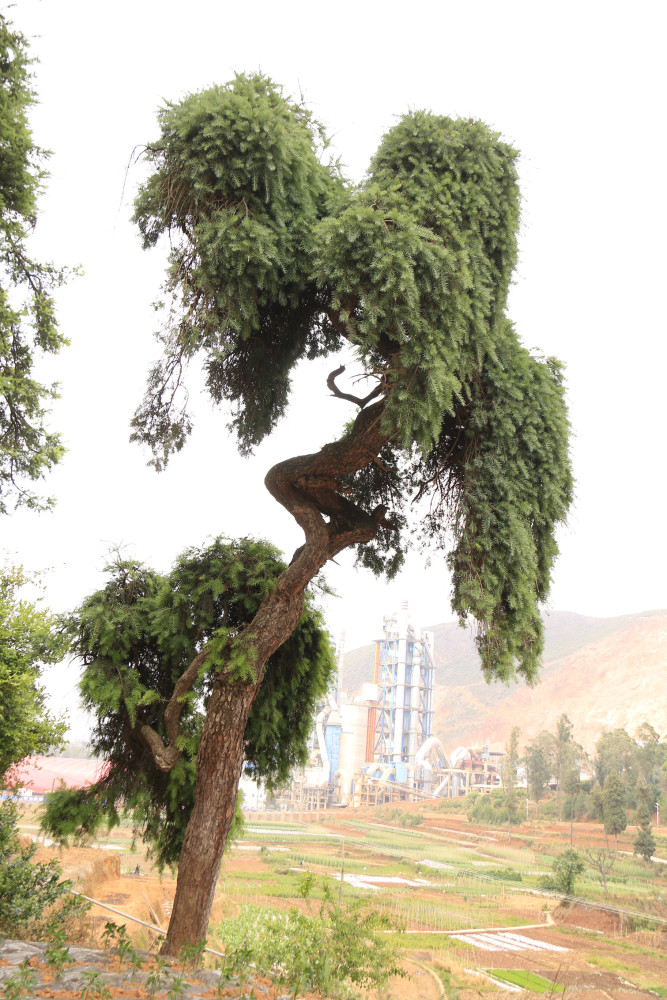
<point>27,320</point>
<point>275,259</point>
<point>29,638</point>
<point>152,647</point>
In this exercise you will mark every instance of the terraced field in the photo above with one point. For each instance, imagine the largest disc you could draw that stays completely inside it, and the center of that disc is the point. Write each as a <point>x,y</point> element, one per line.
<point>467,900</point>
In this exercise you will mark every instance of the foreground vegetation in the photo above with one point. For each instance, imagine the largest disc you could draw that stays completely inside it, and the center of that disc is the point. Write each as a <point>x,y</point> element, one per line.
<point>286,913</point>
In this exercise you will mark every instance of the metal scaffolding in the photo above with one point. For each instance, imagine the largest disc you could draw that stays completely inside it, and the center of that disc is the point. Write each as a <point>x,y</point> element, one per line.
<point>404,671</point>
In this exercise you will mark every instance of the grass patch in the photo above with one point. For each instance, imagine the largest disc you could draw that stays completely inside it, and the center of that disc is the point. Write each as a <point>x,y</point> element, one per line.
<point>611,963</point>
<point>526,980</point>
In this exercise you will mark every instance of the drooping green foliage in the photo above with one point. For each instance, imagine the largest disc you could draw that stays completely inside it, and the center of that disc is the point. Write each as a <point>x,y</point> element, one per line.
<point>30,638</point>
<point>238,179</point>
<point>276,258</point>
<point>136,637</point>
<point>27,318</point>
<point>419,263</point>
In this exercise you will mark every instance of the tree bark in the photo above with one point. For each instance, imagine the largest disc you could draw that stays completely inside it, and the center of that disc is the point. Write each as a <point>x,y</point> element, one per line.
<point>308,487</point>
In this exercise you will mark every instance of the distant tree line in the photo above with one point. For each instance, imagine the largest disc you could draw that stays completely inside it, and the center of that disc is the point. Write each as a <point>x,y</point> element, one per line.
<point>624,774</point>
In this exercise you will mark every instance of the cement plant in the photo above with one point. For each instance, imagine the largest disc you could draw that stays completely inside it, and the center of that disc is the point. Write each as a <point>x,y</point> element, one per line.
<point>379,747</point>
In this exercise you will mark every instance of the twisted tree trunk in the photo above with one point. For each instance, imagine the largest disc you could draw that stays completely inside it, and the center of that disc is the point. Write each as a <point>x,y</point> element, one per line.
<point>308,487</point>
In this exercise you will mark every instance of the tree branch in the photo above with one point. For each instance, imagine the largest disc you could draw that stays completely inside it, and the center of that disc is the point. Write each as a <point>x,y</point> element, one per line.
<point>346,395</point>
<point>165,756</point>
<point>308,487</point>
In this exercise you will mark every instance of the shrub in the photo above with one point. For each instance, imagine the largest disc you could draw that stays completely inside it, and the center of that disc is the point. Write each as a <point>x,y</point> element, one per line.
<point>508,874</point>
<point>29,890</point>
<point>565,867</point>
<point>342,946</point>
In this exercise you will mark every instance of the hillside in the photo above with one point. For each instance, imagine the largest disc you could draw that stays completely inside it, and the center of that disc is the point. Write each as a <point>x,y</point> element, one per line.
<point>600,671</point>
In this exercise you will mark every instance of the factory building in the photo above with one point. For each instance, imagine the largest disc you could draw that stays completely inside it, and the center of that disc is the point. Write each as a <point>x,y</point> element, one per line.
<point>379,746</point>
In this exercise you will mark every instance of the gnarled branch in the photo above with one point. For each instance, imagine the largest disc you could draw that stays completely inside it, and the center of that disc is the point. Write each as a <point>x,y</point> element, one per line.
<point>165,756</point>
<point>361,402</point>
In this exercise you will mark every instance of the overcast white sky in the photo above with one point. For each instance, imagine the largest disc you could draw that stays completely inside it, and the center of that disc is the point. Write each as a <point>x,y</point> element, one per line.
<point>579,88</point>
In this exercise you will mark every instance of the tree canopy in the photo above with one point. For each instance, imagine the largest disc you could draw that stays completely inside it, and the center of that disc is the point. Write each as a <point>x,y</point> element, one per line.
<point>459,444</point>
<point>275,258</point>
<point>28,326</point>
<point>137,638</point>
<point>29,638</point>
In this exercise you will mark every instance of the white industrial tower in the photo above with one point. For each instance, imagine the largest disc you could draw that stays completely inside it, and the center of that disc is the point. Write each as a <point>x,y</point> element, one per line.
<point>404,674</point>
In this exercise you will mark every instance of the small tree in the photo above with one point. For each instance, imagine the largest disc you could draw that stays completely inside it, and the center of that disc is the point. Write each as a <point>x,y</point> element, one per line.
<point>645,844</point>
<point>572,785</point>
<point>566,867</point>
<point>602,860</point>
<point>275,259</point>
<point>539,760</point>
<point>613,800</point>
<point>27,324</point>
<point>28,889</point>
<point>509,776</point>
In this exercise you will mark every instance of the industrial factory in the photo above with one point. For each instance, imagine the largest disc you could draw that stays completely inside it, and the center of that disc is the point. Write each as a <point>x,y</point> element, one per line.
<point>379,747</point>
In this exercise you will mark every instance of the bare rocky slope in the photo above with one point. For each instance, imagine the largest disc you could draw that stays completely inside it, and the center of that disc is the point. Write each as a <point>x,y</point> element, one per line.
<point>602,672</point>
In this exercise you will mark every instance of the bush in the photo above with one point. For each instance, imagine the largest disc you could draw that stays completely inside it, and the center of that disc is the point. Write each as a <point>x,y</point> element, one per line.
<point>341,948</point>
<point>30,891</point>
<point>491,808</point>
<point>508,874</point>
<point>565,867</point>
<point>401,817</point>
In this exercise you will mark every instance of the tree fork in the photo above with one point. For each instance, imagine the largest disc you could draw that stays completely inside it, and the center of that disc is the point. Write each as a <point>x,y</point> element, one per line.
<point>306,486</point>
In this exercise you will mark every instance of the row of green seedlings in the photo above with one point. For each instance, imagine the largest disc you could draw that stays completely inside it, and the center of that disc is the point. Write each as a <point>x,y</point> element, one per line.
<point>115,938</point>
<point>273,837</point>
<point>332,861</point>
<point>440,851</point>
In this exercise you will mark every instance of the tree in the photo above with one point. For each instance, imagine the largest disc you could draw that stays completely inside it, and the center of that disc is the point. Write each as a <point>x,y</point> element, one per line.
<point>509,776</point>
<point>138,638</point>
<point>572,785</point>
<point>565,867</point>
<point>615,753</point>
<point>645,844</point>
<point>613,800</point>
<point>602,860</point>
<point>27,324</point>
<point>275,259</point>
<point>29,638</point>
<point>567,754</point>
<point>650,755</point>
<point>539,759</point>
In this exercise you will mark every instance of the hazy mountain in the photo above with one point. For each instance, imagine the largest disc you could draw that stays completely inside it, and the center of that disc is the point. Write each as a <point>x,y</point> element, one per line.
<point>599,671</point>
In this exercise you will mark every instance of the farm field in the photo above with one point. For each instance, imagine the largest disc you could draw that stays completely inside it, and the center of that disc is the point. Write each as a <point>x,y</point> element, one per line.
<point>474,920</point>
